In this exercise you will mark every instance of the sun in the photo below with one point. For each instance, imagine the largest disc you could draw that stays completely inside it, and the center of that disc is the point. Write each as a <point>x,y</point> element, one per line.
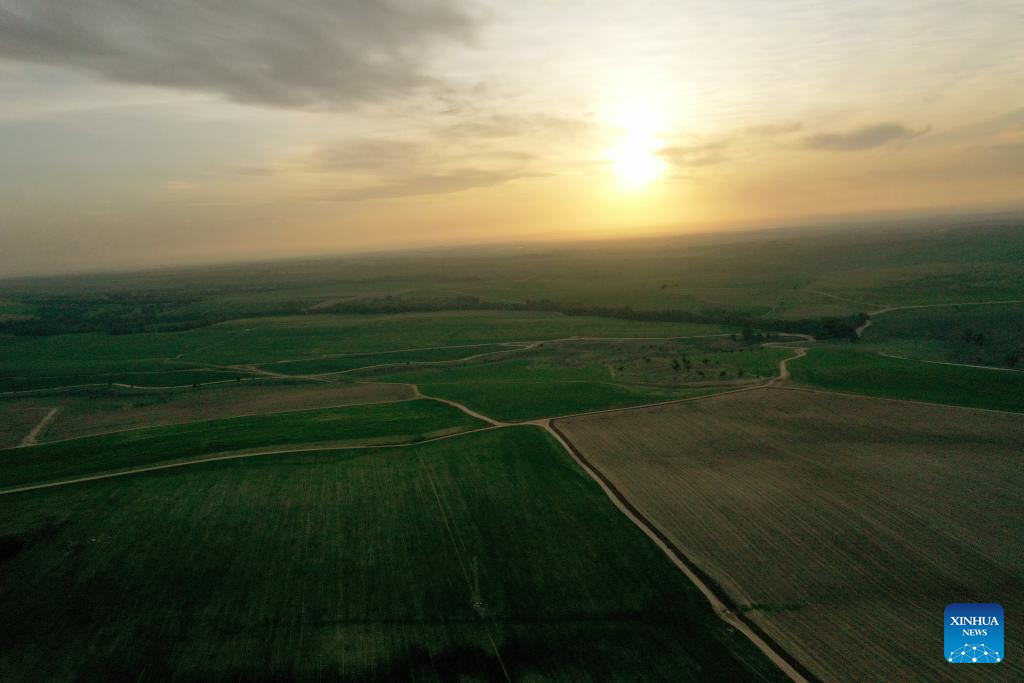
<point>637,163</point>
<point>635,157</point>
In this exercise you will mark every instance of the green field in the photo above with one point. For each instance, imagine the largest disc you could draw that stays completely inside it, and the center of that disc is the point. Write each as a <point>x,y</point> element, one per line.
<point>406,421</point>
<point>875,375</point>
<point>521,390</point>
<point>579,376</point>
<point>266,340</point>
<point>358,565</point>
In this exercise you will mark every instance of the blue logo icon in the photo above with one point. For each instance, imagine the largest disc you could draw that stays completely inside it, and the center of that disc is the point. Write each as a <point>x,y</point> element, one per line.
<point>974,633</point>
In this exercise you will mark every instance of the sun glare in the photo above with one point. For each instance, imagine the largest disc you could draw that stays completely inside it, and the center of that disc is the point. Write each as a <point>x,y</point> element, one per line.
<point>634,157</point>
<point>636,163</point>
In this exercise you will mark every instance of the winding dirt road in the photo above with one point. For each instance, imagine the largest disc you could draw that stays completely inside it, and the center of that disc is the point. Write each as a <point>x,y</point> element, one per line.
<point>784,365</point>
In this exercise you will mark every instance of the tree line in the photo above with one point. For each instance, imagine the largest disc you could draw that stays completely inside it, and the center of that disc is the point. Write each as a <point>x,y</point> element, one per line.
<point>820,328</point>
<point>163,313</point>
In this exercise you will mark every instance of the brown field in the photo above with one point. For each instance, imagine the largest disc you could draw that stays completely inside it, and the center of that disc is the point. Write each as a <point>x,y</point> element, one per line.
<point>842,526</point>
<point>95,412</point>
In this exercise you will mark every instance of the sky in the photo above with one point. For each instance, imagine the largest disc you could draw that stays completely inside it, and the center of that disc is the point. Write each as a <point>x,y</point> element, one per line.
<point>137,133</point>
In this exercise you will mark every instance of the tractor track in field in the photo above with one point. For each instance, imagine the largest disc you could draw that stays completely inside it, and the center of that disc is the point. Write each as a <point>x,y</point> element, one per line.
<point>30,438</point>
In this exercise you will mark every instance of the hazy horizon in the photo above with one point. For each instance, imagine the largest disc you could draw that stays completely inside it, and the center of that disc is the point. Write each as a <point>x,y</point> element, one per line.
<point>929,221</point>
<point>138,135</point>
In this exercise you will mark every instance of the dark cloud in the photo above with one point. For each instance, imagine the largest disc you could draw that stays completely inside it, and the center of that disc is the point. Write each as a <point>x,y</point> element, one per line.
<point>294,53</point>
<point>862,138</point>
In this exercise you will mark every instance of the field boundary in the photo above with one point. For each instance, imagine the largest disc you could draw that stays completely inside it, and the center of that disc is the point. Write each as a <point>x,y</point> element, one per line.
<point>720,601</point>
<point>235,456</point>
<point>797,386</point>
<point>540,420</point>
<point>955,365</point>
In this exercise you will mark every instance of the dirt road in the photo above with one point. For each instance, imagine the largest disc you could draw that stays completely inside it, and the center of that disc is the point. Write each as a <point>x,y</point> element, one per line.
<point>784,365</point>
<point>466,409</point>
<point>232,456</point>
<point>720,603</point>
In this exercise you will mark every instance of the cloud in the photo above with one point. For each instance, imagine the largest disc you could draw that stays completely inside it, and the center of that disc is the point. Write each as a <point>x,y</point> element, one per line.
<point>732,146</point>
<point>705,154</point>
<point>299,53</point>
<point>773,129</point>
<point>513,126</point>
<point>256,170</point>
<point>370,155</point>
<point>426,184</point>
<point>384,168</point>
<point>178,186</point>
<point>866,137</point>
